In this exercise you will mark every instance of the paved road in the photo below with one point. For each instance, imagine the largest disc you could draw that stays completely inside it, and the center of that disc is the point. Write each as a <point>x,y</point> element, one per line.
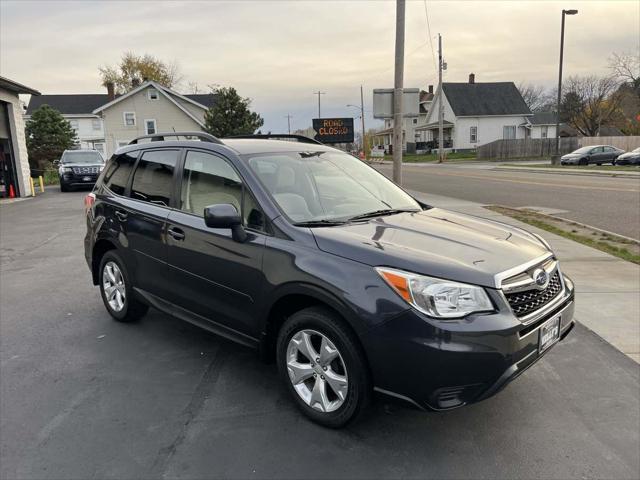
<point>609,203</point>
<point>83,396</point>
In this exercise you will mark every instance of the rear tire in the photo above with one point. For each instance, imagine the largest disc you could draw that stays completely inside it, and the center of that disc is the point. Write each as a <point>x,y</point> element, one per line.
<point>333,389</point>
<point>117,291</point>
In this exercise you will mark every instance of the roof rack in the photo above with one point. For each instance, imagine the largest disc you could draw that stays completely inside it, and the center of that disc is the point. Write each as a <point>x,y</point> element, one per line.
<point>161,137</point>
<point>280,136</point>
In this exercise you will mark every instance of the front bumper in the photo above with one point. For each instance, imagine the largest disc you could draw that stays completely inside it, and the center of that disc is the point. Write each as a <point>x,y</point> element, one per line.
<point>72,179</point>
<point>439,365</point>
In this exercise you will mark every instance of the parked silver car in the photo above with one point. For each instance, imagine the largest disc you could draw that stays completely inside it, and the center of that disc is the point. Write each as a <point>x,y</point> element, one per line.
<point>597,154</point>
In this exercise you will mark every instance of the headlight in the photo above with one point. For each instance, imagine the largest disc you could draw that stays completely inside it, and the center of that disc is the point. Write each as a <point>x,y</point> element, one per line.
<point>67,170</point>
<point>436,297</point>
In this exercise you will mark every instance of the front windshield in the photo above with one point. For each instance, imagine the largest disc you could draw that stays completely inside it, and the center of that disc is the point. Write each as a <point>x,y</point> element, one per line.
<point>315,186</point>
<point>583,150</point>
<point>82,157</point>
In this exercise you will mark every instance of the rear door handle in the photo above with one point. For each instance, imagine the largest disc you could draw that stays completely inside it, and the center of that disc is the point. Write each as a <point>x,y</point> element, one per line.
<point>122,216</point>
<point>176,233</point>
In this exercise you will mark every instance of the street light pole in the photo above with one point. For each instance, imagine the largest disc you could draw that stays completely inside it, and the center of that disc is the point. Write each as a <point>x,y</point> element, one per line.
<point>440,105</point>
<point>364,151</point>
<point>564,12</point>
<point>288,116</point>
<point>319,93</point>
<point>398,92</point>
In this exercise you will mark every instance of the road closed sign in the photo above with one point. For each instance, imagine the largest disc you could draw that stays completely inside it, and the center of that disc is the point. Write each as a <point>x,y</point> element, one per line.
<point>333,130</point>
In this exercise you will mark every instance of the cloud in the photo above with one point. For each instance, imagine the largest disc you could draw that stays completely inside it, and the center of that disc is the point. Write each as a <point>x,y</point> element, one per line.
<point>278,53</point>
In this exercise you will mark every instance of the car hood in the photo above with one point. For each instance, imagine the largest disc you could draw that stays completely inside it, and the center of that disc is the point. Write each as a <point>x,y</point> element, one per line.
<point>84,164</point>
<point>629,155</point>
<point>434,242</point>
<point>572,155</point>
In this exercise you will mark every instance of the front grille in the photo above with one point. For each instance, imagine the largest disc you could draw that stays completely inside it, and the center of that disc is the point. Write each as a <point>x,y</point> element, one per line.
<point>86,170</point>
<point>524,303</point>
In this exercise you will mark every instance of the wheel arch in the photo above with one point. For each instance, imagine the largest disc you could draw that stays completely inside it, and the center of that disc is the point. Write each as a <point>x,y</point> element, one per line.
<point>101,247</point>
<point>293,298</point>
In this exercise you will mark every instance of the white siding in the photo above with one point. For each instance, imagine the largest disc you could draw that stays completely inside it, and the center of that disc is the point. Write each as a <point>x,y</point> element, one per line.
<point>16,127</point>
<point>167,115</point>
<point>536,131</point>
<point>489,129</point>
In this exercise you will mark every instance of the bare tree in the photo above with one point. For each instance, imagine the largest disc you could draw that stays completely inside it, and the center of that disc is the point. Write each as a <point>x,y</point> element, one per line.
<point>591,102</point>
<point>626,68</point>
<point>537,97</point>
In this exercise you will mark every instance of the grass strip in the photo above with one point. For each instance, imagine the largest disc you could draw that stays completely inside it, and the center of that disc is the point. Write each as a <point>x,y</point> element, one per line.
<point>607,243</point>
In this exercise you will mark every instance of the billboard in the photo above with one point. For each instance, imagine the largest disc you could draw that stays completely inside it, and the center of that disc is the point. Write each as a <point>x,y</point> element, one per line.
<point>383,102</point>
<point>333,130</point>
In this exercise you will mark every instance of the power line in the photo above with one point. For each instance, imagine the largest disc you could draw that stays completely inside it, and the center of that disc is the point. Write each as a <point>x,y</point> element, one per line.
<point>433,55</point>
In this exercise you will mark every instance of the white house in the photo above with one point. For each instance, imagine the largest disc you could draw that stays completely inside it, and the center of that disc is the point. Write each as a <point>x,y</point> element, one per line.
<point>541,125</point>
<point>77,108</point>
<point>150,108</point>
<point>412,137</point>
<point>477,113</point>
<point>107,121</point>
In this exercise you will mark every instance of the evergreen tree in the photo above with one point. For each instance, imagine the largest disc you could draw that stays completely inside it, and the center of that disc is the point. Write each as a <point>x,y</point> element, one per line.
<point>48,134</point>
<point>230,115</point>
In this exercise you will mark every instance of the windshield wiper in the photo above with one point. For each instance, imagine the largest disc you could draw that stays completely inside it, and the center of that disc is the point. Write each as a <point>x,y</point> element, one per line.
<point>380,213</point>
<point>320,223</point>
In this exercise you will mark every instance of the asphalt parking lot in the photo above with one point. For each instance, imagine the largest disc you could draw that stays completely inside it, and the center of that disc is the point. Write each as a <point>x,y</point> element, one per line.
<point>82,396</point>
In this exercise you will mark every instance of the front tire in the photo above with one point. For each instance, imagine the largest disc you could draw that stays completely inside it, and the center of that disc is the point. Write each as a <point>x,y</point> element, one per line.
<point>64,187</point>
<point>323,367</point>
<point>583,161</point>
<point>117,291</point>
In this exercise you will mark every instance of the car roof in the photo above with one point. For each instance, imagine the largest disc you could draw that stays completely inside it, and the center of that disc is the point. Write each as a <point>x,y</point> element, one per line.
<point>80,150</point>
<point>241,146</point>
<point>245,146</point>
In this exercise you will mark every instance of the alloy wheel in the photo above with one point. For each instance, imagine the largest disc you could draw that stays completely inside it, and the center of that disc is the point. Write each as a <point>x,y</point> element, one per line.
<point>317,371</point>
<point>113,286</point>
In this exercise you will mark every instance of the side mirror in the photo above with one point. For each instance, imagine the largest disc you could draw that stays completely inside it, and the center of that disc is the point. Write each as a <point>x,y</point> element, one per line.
<point>56,163</point>
<point>225,215</point>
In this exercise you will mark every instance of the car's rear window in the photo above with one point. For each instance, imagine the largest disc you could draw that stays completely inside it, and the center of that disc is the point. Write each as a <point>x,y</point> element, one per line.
<point>116,175</point>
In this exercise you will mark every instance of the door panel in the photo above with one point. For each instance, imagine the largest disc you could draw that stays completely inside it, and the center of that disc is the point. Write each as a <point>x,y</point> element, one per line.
<point>210,273</point>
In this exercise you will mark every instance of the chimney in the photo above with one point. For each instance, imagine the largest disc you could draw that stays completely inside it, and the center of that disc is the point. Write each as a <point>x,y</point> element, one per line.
<point>472,78</point>
<point>111,91</point>
<point>430,88</point>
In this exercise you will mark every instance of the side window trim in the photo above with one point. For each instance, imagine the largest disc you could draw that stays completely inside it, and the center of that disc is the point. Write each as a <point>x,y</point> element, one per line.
<point>125,193</point>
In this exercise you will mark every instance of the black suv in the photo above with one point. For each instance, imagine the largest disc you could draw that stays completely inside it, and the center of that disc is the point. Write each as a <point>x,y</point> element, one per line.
<point>79,168</point>
<point>316,260</point>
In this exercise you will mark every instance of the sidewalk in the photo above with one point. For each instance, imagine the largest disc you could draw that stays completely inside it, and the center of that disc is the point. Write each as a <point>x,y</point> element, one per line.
<point>570,171</point>
<point>607,288</point>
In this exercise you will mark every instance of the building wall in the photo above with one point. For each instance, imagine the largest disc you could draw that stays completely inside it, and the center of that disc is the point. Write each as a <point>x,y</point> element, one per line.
<point>16,127</point>
<point>489,129</point>
<point>536,131</point>
<point>167,115</point>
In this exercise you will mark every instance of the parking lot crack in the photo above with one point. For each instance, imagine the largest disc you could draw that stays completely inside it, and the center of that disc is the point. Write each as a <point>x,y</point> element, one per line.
<point>190,412</point>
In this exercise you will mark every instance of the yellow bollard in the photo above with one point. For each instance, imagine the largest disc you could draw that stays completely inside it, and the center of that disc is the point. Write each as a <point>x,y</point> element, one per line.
<point>41,184</point>
<point>33,187</point>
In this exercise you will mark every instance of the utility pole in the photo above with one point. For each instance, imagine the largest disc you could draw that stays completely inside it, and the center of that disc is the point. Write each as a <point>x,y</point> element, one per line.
<point>364,151</point>
<point>288,117</point>
<point>397,93</point>
<point>564,12</point>
<point>440,105</point>
<point>319,93</point>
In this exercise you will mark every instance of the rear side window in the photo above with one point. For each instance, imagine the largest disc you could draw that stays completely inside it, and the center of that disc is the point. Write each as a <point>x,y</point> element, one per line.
<point>153,178</point>
<point>117,172</point>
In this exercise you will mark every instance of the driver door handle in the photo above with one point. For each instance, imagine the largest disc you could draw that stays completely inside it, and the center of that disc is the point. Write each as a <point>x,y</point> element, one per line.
<point>176,233</point>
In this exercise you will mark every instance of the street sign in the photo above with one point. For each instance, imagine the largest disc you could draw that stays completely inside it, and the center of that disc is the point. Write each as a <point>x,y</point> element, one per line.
<point>333,130</point>
<point>383,102</point>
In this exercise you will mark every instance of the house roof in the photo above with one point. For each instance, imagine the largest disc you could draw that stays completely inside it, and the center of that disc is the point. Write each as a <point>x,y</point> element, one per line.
<point>86,103</point>
<point>480,99</point>
<point>16,87</point>
<point>543,118</point>
<point>71,104</point>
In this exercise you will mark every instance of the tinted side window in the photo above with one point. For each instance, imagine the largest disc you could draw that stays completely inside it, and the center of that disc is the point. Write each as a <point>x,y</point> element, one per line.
<point>153,178</point>
<point>117,172</point>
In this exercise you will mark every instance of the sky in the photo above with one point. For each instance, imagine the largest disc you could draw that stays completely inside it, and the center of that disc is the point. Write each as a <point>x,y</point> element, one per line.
<point>279,52</point>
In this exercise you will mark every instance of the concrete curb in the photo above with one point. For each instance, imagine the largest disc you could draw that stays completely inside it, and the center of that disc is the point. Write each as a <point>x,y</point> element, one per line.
<point>596,173</point>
